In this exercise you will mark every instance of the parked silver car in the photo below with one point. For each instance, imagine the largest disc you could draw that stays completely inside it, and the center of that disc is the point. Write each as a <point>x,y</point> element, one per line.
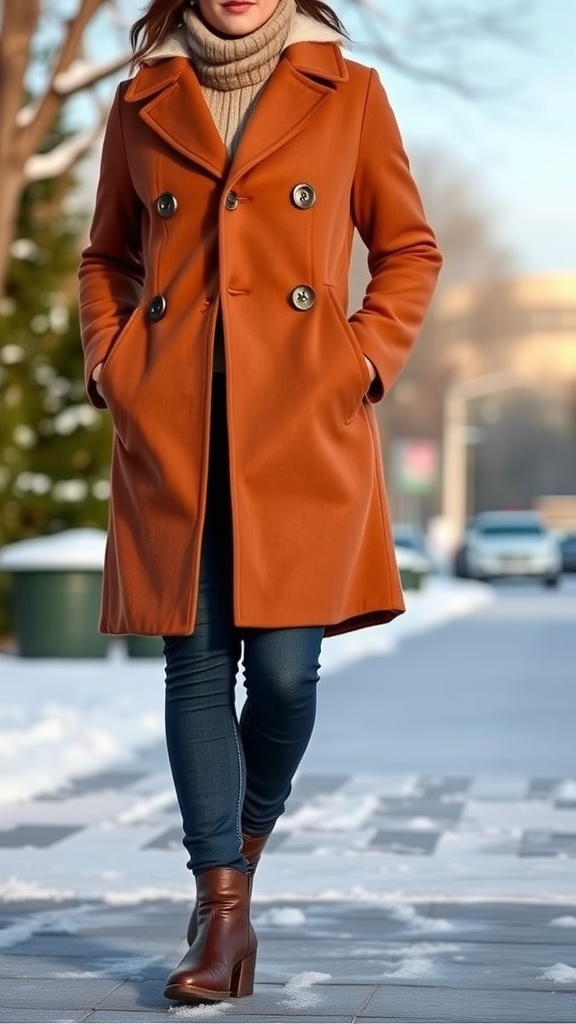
<point>512,544</point>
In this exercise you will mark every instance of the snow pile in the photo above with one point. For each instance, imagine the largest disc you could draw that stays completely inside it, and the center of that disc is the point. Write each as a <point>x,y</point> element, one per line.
<point>282,917</point>
<point>568,921</point>
<point>414,967</point>
<point>64,719</point>
<point>408,915</point>
<point>205,1011</point>
<point>560,974</point>
<point>298,990</point>
<point>333,813</point>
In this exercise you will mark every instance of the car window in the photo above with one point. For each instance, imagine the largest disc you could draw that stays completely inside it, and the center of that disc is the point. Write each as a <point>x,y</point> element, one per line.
<point>510,529</point>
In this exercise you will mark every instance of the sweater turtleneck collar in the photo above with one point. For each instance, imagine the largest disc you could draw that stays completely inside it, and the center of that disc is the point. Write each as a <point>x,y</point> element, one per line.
<point>236,63</point>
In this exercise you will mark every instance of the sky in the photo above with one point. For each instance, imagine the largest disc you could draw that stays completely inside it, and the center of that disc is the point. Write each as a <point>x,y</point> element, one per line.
<point>521,144</point>
<point>518,141</point>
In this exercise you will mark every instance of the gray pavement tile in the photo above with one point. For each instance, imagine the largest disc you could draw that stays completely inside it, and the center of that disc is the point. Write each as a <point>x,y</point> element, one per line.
<point>406,841</point>
<point>542,843</point>
<point>477,1006</point>
<point>542,788</point>
<point>456,965</point>
<point>127,1017</point>
<point>53,993</point>
<point>98,966</point>
<point>446,813</point>
<point>438,786</point>
<point>38,836</point>
<point>9,911</point>
<point>268,999</point>
<point>97,782</point>
<point>169,839</point>
<point>32,966</point>
<point>140,1017</point>
<point>313,785</point>
<point>16,1016</point>
<point>366,912</point>
<point>80,947</point>
<point>508,922</point>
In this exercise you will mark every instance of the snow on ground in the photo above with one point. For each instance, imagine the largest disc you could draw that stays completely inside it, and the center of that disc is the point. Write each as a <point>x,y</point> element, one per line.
<point>63,719</point>
<point>560,974</point>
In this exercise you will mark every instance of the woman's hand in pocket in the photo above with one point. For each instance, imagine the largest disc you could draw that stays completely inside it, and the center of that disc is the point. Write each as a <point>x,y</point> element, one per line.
<point>371,369</point>
<point>96,376</point>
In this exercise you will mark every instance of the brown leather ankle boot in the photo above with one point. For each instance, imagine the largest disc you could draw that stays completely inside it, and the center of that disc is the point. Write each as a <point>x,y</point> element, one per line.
<point>252,847</point>
<point>222,959</point>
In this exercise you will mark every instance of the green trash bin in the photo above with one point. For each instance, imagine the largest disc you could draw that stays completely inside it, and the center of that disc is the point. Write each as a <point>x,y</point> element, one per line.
<point>144,646</point>
<point>56,589</point>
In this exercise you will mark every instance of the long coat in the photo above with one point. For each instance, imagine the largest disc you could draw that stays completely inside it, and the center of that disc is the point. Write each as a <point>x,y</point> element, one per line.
<point>181,233</point>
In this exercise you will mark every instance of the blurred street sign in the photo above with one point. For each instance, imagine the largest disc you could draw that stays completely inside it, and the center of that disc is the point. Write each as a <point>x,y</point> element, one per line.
<point>415,465</point>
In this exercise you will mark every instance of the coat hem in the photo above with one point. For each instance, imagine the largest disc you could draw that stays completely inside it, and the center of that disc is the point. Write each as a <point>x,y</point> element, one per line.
<point>348,625</point>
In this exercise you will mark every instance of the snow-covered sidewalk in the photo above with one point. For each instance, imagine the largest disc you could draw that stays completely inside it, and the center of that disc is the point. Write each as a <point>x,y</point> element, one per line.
<point>63,719</point>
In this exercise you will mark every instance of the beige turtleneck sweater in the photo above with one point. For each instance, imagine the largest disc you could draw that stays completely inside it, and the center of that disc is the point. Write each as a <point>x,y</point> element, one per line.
<point>233,71</point>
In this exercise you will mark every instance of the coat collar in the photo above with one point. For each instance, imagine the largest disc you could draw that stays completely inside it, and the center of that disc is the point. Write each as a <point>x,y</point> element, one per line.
<point>175,108</point>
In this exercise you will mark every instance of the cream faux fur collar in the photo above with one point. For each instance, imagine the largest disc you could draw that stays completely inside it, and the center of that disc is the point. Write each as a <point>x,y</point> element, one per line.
<point>303,30</point>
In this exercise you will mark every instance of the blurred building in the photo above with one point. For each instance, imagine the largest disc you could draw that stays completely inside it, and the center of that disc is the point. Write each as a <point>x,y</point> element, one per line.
<point>518,431</point>
<point>525,324</point>
<point>508,348</point>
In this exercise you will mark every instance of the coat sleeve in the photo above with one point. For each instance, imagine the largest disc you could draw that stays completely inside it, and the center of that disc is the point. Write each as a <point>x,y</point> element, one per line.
<point>403,257</point>
<point>111,270</point>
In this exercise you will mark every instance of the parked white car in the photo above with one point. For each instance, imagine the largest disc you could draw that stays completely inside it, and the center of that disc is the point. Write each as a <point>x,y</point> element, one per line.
<point>512,544</point>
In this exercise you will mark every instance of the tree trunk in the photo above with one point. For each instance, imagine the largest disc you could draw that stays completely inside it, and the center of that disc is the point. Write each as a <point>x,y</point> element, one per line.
<point>18,27</point>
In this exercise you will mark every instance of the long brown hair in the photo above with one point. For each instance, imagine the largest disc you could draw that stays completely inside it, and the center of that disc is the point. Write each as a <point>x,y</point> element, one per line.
<point>164,16</point>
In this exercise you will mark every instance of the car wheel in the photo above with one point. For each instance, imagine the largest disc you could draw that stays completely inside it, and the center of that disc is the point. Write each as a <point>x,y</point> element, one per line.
<point>550,582</point>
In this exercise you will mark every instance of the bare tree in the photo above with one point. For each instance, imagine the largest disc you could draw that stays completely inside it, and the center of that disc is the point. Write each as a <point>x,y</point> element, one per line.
<point>26,120</point>
<point>427,44</point>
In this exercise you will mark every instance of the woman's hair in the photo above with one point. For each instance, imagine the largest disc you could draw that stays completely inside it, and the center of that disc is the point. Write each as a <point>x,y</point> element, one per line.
<point>164,16</point>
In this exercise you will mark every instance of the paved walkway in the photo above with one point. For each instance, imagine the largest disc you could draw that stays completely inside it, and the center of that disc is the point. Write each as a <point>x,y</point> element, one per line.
<point>390,891</point>
<point>96,902</point>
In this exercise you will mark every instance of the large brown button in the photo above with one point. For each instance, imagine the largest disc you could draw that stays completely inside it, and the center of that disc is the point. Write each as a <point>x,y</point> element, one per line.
<point>303,297</point>
<point>231,201</point>
<point>157,307</point>
<point>303,196</point>
<point>166,205</point>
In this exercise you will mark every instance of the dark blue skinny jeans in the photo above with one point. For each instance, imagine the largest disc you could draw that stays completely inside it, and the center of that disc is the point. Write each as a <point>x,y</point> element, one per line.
<point>233,776</point>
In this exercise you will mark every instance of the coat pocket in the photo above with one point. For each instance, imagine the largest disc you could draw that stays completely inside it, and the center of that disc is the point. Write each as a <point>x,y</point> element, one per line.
<point>117,380</point>
<point>115,346</point>
<point>354,352</point>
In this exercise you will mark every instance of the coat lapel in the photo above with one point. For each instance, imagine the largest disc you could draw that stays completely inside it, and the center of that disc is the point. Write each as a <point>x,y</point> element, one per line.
<point>176,110</point>
<point>299,86</point>
<point>174,107</point>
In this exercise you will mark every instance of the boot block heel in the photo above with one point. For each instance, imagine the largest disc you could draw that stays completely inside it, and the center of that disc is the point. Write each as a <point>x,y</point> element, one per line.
<point>242,982</point>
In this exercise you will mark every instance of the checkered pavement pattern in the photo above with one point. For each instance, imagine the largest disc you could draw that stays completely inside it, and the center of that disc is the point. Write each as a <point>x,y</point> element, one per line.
<point>404,815</point>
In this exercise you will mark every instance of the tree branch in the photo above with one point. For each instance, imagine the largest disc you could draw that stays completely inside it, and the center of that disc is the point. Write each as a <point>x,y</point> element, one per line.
<point>82,74</point>
<point>68,50</point>
<point>62,158</point>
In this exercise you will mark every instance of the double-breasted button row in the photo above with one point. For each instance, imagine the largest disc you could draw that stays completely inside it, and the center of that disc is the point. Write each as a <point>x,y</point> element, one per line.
<point>166,205</point>
<point>303,196</point>
<point>303,297</point>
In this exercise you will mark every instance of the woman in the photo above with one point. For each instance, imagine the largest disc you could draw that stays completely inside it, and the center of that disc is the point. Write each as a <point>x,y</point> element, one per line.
<point>247,500</point>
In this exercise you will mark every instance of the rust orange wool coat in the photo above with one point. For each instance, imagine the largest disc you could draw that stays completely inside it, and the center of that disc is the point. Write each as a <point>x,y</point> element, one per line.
<point>178,233</point>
